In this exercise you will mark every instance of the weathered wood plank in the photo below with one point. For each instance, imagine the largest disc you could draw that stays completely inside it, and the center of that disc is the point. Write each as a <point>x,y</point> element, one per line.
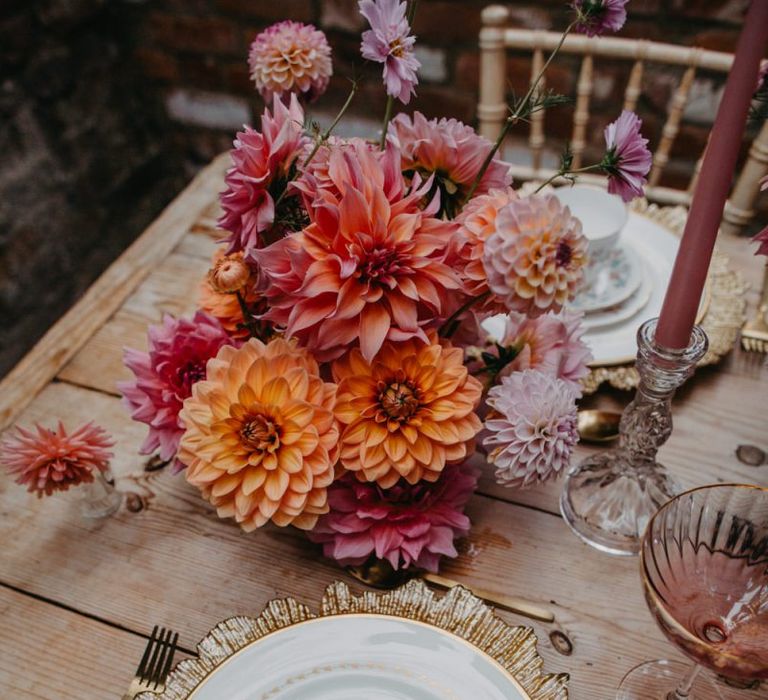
<point>178,564</point>
<point>106,295</point>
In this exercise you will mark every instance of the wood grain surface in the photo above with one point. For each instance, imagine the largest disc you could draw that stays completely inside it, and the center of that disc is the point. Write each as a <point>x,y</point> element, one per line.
<point>79,599</point>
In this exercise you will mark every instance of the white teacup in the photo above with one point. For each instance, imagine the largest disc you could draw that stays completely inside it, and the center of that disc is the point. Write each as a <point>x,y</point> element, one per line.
<point>602,215</point>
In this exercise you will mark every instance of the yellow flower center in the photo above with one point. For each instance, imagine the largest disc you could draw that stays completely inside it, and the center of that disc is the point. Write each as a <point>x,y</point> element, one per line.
<point>399,400</point>
<point>396,48</point>
<point>261,434</point>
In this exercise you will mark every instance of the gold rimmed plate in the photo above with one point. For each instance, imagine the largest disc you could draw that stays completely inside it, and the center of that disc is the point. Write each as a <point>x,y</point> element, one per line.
<point>406,644</point>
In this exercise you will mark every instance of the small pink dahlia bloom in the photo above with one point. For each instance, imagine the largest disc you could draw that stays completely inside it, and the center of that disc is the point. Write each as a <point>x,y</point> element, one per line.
<point>178,352</point>
<point>290,57</point>
<point>451,151</point>
<point>408,525</point>
<point>389,41</point>
<point>598,17</point>
<point>533,427</point>
<point>551,344</point>
<point>762,239</point>
<point>628,159</point>
<point>533,261</point>
<point>54,460</point>
<point>261,162</point>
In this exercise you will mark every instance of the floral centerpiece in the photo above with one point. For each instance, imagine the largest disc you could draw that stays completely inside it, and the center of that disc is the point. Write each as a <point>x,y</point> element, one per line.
<point>338,374</point>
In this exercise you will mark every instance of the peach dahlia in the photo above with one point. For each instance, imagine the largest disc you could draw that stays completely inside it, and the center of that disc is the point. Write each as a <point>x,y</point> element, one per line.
<point>407,414</point>
<point>261,440</point>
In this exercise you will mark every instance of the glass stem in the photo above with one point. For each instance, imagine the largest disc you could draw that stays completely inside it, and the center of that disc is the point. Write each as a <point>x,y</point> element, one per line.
<point>683,690</point>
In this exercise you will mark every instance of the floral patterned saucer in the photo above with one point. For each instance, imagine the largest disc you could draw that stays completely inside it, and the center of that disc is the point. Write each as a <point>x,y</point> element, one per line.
<point>615,280</point>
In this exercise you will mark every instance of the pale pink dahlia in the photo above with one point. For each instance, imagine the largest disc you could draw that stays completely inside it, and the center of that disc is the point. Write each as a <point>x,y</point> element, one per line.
<point>550,343</point>
<point>370,266</point>
<point>532,429</point>
<point>451,151</point>
<point>762,239</point>
<point>408,525</point>
<point>628,159</point>
<point>598,17</point>
<point>52,459</point>
<point>261,163</point>
<point>389,41</point>
<point>290,57</point>
<point>534,259</point>
<point>178,352</point>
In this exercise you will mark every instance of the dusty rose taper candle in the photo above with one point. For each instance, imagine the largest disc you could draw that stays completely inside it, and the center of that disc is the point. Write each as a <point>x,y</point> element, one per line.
<point>689,274</point>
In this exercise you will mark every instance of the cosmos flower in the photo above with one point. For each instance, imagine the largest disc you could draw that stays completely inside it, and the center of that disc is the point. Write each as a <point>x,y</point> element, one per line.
<point>290,57</point>
<point>178,352</point>
<point>598,17</point>
<point>407,414</point>
<point>762,239</point>
<point>261,440</point>
<point>533,427</point>
<point>388,41</point>
<point>534,259</point>
<point>627,160</point>
<point>409,525</point>
<point>53,460</point>
<point>370,266</point>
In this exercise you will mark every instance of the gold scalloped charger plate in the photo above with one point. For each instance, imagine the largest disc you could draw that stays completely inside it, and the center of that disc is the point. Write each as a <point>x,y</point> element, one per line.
<point>721,315</point>
<point>406,644</point>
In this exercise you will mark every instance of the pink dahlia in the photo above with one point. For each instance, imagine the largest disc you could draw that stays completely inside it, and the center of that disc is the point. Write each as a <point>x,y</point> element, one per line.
<point>628,159</point>
<point>54,460</point>
<point>388,41</point>
<point>451,151</point>
<point>598,17</point>
<point>533,427</point>
<point>408,525</point>
<point>369,267</point>
<point>290,57</point>
<point>534,259</point>
<point>178,352</point>
<point>550,343</point>
<point>762,239</point>
<point>262,162</point>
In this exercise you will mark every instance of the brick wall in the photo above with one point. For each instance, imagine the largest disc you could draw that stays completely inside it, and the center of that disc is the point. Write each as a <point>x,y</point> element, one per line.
<point>194,52</point>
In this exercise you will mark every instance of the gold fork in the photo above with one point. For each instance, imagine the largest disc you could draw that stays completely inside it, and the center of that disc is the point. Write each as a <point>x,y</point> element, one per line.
<point>754,334</point>
<point>155,664</point>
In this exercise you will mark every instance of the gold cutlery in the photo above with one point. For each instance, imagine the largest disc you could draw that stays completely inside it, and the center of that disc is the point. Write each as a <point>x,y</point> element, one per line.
<point>754,333</point>
<point>155,664</point>
<point>598,426</point>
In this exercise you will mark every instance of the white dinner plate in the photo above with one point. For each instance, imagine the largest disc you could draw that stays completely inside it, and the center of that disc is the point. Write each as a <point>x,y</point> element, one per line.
<point>617,279</point>
<point>360,657</point>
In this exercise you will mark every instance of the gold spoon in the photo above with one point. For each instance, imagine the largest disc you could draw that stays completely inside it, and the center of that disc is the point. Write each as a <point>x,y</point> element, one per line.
<point>380,574</point>
<point>598,426</point>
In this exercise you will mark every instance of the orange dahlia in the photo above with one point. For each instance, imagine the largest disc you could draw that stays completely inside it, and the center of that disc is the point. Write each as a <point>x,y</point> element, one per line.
<point>224,306</point>
<point>407,414</point>
<point>371,266</point>
<point>261,440</point>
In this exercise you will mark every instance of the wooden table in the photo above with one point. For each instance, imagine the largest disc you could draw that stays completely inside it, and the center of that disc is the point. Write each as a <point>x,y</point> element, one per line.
<point>79,599</point>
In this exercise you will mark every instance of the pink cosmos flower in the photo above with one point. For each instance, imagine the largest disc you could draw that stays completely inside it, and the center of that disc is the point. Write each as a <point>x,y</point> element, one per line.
<point>628,159</point>
<point>290,57</point>
<point>261,164</point>
<point>597,17</point>
<point>551,344</point>
<point>764,183</point>
<point>762,239</point>
<point>408,525</point>
<point>178,352</point>
<point>369,267</point>
<point>52,459</point>
<point>388,41</point>
<point>450,151</point>
<point>533,427</point>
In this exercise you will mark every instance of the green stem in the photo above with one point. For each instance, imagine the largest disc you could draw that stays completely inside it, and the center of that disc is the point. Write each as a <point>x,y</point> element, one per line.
<point>448,328</point>
<point>387,117</point>
<point>247,318</point>
<point>516,115</point>
<point>563,173</point>
<point>326,135</point>
<point>412,12</point>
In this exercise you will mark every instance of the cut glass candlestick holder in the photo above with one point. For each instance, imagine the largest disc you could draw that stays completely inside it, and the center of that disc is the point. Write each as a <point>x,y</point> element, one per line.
<point>100,497</point>
<point>610,496</point>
